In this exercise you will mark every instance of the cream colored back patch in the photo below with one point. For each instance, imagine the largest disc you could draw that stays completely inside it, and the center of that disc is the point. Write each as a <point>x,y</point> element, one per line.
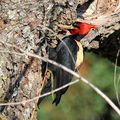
<point>79,55</point>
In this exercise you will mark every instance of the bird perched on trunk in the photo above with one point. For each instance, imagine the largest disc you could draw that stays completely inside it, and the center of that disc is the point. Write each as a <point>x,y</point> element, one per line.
<point>70,54</point>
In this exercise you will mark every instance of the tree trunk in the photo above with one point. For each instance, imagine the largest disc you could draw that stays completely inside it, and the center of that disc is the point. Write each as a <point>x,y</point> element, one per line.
<point>34,25</point>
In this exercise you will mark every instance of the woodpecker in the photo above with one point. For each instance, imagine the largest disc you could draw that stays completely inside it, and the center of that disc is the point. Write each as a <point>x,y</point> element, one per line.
<point>70,54</point>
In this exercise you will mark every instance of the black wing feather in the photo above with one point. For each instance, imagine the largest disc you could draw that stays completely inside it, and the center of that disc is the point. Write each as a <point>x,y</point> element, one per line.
<point>65,58</point>
<point>61,77</point>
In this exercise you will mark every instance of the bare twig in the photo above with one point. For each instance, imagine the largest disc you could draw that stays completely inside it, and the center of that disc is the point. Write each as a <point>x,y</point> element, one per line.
<point>67,70</point>
<point>40,96</point>
<point>116,82</point>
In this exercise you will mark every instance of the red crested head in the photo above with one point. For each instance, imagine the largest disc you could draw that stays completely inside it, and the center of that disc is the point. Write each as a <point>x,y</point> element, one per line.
<point>81,28</point>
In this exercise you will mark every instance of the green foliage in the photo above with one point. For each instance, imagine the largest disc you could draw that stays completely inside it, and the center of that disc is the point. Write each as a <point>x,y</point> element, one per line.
<point>81,102</point>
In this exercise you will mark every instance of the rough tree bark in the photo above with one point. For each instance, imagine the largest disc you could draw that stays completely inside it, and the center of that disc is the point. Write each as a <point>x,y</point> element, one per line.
<point>28,25</point>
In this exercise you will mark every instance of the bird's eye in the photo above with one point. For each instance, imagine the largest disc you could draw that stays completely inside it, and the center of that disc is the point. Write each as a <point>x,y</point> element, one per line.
<point>76,24</point>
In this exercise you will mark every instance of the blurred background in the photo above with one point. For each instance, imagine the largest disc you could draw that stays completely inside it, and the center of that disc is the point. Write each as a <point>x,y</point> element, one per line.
<point>82,103</point>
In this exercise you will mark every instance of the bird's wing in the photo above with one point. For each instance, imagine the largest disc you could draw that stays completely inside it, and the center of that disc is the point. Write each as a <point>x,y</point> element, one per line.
<point>68,59</point>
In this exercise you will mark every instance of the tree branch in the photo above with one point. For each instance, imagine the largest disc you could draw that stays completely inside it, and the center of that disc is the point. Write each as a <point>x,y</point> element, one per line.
<point>67,70</point>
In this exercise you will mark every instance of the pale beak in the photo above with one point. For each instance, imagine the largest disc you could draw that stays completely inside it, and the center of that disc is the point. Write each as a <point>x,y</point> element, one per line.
<point>65,27</point>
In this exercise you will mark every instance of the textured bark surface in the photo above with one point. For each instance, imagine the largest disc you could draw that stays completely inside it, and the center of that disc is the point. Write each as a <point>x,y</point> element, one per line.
<point>32,26</point>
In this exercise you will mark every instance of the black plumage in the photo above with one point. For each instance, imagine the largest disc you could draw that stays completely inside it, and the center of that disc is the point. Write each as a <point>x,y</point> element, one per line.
<point>67,58</point>
<point>65,54</point>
